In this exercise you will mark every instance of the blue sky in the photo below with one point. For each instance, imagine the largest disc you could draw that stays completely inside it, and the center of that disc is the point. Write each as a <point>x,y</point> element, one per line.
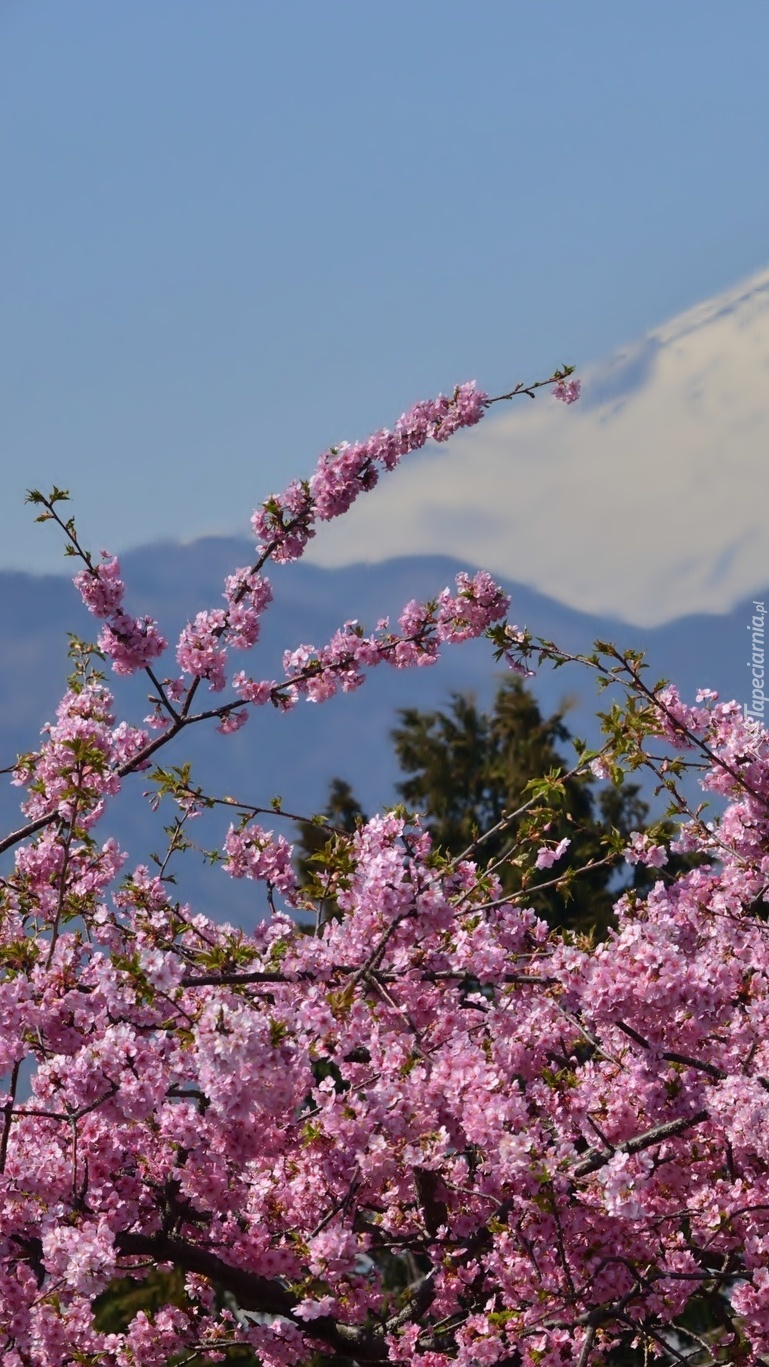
<point>235,232</point>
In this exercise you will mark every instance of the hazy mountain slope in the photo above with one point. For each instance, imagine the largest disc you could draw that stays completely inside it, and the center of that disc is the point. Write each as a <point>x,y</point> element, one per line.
<point>296,754</point>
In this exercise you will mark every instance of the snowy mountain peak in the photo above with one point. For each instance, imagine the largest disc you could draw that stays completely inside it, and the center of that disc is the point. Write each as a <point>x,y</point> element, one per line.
<point>648,501</point>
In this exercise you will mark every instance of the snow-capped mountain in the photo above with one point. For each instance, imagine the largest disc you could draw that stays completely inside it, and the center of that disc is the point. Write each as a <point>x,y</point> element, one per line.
<point>647,501</point>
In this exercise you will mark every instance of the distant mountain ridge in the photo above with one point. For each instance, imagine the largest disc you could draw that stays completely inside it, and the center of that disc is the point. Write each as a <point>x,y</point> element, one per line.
<point>295,755</point>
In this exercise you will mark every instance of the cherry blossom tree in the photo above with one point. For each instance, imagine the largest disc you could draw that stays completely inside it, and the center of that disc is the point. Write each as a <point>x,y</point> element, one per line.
<point>402,1121</point>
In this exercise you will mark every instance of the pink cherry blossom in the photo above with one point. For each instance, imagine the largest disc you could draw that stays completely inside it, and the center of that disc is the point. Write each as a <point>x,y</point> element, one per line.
<point>568,391</point>
<point>286,522</point>
<point>547,855</point>
<point>131,643</point>
<point>642,850</point>
<point>401,1119</point>
<point>101,587</point>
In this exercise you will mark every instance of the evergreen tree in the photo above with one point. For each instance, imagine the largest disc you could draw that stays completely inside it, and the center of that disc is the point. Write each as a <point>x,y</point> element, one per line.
<point>466,770</point>
<point>317,839</point>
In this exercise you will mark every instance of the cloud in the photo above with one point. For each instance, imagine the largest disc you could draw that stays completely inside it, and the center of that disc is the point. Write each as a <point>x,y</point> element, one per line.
<point>648,501</point>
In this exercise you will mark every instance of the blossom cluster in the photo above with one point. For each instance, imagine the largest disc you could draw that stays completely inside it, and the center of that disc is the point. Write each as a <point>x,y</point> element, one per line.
<point>131,643</point>
<point>286,522</point>
<point>568,391</point>
<point>562,1146</point>
<point>202,648</point>
<point>582,1143</point>
<point>252,852</point>
<point>79,763</point>
<point>642,850</point>
<point>318,674</point>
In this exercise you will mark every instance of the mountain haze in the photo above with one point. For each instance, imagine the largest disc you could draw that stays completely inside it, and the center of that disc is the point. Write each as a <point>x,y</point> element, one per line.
<point>295,755</point>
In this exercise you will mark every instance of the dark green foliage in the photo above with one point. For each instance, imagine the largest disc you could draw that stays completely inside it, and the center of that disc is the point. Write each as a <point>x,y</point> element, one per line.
<point>343,812</point>
<point>466,770</point>
<point>115,1308</point>
<point>126,1296</point>
<point>322,847</point>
